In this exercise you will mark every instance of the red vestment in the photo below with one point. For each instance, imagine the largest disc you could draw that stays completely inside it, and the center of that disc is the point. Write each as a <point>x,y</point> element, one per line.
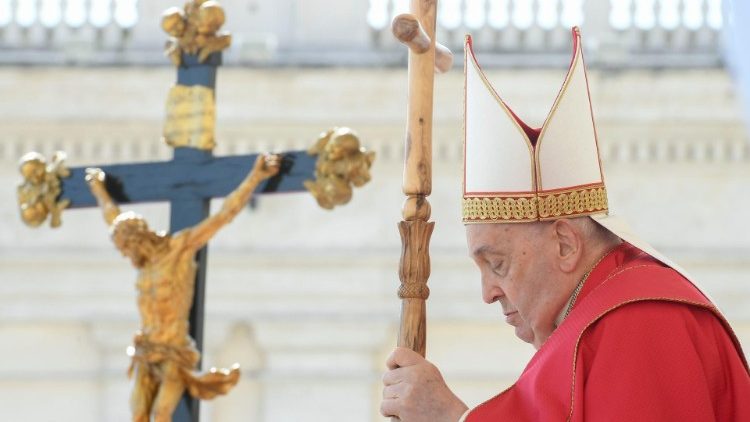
<point>641,344</point>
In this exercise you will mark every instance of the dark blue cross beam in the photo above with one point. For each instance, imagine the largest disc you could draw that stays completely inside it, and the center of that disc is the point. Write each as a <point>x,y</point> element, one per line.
<point>188,182</point>
<point>191,175</point>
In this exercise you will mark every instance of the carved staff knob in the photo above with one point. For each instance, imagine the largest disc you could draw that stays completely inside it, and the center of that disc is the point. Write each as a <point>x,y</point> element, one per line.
<point>406,28</point>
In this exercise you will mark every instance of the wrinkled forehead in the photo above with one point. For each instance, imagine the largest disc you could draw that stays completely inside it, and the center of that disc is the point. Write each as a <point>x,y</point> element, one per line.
<point>500,237</point>
<point>504,229</point>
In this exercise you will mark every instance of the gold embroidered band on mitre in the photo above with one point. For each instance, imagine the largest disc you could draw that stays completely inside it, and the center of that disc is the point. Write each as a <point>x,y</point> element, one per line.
<point>543,206</point>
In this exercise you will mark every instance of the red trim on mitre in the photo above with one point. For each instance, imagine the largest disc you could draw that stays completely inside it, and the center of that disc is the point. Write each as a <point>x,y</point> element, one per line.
<point>558,97</point>
<point>467,42</point>
<point>469,49</point>
<point>577,49</point>
<point>532,133</point>
<point>591,108</point>
<point>594,185</point>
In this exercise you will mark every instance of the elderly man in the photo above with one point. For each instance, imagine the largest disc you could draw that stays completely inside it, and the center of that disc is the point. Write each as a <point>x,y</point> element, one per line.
<point>620,332</point>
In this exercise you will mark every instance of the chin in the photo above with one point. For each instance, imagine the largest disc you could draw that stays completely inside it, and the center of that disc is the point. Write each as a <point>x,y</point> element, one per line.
<point>525,334</point>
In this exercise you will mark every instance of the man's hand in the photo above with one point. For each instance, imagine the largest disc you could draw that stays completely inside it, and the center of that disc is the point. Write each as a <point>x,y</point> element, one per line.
<point>95,179</point>
<point>266,166</point>
<point>416,392</point>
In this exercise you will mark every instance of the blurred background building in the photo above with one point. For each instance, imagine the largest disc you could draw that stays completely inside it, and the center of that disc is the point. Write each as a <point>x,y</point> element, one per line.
<point>305,299</point>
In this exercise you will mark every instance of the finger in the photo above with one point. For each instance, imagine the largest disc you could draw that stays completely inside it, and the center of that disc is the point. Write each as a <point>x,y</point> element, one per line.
<point>392,391</point>
<point>270,161</point>
<point>394,376</point>
<point>389,408</point>
<point>402,356</point>
<point>95,174</point>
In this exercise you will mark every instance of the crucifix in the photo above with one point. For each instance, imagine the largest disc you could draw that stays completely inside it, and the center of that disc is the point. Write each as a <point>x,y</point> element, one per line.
<point>172,267</point>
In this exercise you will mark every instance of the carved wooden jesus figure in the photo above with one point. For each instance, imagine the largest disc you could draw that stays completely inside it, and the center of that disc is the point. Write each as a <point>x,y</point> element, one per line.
<point>164,356</point>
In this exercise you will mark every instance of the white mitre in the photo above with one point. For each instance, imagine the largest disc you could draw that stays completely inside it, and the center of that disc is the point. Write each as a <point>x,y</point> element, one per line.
<point>514,173</point>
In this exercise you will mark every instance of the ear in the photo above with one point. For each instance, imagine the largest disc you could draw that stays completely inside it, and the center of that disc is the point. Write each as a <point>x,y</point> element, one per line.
<point>569,245</point>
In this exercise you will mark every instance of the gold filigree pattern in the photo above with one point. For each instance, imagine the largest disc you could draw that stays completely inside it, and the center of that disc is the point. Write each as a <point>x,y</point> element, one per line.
<point>576,202</point>
<point>535,208</point>
<point>521,209</point>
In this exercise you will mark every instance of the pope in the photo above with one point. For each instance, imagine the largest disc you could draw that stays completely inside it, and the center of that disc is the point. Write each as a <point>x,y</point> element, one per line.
<point>621,333</point>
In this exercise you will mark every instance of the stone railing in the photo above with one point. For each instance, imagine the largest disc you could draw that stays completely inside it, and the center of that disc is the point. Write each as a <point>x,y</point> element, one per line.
<point>654,32</point>
<point>141,145</point>
<point>28,26</point>
<point>288,32</point>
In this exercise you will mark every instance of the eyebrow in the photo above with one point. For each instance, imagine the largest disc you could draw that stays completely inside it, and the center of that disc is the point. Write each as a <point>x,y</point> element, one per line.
<point>483,250</point>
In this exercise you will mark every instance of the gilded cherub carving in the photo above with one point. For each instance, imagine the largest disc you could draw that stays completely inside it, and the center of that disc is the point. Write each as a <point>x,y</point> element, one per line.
<point>37,195</point>
<point>164,356</point>
<point>194,30</point>
<point>341,164</point>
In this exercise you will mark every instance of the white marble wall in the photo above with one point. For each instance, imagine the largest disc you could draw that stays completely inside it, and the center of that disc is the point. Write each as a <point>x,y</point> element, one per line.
<point>304,299</point>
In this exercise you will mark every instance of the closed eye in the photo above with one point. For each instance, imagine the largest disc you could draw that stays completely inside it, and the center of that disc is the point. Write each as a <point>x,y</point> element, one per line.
<point>499,268</point>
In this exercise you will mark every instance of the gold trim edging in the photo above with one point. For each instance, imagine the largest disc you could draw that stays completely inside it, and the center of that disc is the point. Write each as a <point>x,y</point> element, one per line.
<point>542,207</point>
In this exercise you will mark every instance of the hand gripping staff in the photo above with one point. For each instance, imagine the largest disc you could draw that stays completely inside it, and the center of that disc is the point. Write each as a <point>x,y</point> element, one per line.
<point>417,31</point>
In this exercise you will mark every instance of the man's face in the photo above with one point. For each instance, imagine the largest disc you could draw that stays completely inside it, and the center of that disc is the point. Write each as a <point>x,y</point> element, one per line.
<point>516,262</point>
<point>130,249</point>
<point>131,245</point>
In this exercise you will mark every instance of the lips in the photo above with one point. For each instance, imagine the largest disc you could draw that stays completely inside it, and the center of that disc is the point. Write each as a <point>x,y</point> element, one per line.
<point>510,316</point>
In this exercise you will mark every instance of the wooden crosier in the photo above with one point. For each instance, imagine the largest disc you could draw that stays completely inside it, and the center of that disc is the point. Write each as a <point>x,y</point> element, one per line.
<point>417,31</point>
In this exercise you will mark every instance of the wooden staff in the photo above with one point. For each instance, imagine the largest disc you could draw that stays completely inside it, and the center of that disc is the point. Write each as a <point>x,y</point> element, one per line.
<point>417,31</point>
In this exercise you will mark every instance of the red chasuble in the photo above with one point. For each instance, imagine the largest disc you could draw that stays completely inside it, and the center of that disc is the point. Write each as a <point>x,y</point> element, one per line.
<point>641,344</point>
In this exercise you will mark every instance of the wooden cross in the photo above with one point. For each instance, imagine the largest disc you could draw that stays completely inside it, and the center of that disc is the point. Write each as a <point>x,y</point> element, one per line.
<point>194,176</point>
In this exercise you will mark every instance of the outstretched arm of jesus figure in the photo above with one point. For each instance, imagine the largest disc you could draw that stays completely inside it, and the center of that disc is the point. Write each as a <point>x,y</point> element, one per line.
<point>414,390</point>
<point>95,178</point>
<point>266,166</point>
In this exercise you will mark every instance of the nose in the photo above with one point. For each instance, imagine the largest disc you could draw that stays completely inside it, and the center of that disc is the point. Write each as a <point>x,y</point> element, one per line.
<point>491,292</point>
